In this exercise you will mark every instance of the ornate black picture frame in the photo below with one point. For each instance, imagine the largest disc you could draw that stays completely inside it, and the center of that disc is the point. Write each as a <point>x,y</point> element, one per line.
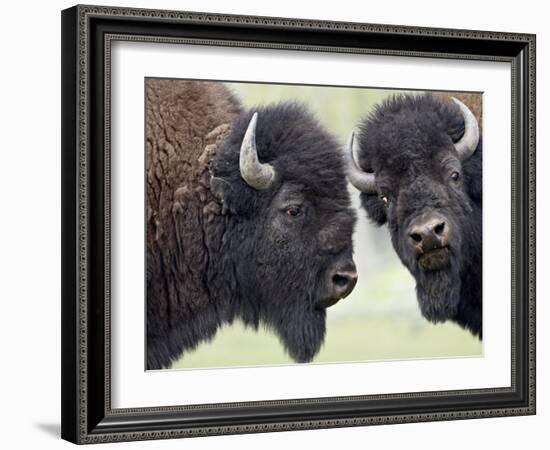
<point>87,34</point>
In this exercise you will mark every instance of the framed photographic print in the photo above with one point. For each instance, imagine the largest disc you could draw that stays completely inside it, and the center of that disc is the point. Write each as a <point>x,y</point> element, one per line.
<point>281,224</point>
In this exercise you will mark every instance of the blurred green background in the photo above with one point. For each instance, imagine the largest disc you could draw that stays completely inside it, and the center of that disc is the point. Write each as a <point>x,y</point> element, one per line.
<point>380,320</point>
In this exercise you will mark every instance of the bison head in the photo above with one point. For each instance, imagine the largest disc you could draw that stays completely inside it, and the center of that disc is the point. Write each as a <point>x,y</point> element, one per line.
<point>414,159</point>
<point>281,179</point>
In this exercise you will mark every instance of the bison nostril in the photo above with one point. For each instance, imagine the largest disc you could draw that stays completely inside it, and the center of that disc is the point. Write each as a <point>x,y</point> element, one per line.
<point>340,280</point>
<point>439,228</point>
<point>416,237</point>
<point>343,283</point>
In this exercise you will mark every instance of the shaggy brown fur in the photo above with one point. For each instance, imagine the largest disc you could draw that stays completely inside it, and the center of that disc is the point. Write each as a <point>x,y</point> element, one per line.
<point>473,101</point>
<point>185,120</point>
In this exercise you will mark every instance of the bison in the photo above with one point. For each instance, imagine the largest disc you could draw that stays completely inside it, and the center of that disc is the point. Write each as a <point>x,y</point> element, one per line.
<point>417,161</point>
<point>248,217</point>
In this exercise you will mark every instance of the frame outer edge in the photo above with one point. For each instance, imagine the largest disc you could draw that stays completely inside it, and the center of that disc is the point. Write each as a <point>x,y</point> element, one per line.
<point>82,151</point>
<point>69,293</point>
<point>75,142</point>
<point>299,23</point>
<point>532,183</point>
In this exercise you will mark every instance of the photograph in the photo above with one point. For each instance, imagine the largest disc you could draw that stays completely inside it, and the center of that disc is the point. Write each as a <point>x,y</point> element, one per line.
<point>310,224</point>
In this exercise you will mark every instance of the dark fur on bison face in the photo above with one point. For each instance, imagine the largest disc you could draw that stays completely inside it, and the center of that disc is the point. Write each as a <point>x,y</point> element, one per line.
<point>290,236</point>
<point>418,179</point>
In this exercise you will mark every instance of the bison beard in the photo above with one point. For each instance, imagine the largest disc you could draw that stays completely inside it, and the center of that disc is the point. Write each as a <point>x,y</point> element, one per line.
<point>301,329</point>
<point>438,292</point>
<point>304,334</point>
<point>220,248</point>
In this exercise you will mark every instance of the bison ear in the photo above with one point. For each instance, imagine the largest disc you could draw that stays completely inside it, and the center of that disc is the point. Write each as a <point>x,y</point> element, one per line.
<point>472,169</point>
<point>221,189</point>
<point>229,196</point>
<point>217,188</point>
<point>376,211</point>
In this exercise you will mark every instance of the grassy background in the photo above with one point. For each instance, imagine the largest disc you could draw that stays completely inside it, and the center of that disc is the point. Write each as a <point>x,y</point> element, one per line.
<point>380,319</point>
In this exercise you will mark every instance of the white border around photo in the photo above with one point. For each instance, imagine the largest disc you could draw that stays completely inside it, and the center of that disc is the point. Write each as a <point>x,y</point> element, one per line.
<point>132,386</point>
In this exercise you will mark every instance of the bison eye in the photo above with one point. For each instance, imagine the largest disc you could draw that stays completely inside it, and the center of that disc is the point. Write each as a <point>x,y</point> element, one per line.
<point>385,200</point>
<point>455,175</point>
<point>294,211</point>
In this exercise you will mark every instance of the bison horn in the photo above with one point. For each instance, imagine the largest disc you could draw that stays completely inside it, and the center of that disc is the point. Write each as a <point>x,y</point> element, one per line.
<point>257,175</point>
<point>468,143</point>
<point>362,181</point>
